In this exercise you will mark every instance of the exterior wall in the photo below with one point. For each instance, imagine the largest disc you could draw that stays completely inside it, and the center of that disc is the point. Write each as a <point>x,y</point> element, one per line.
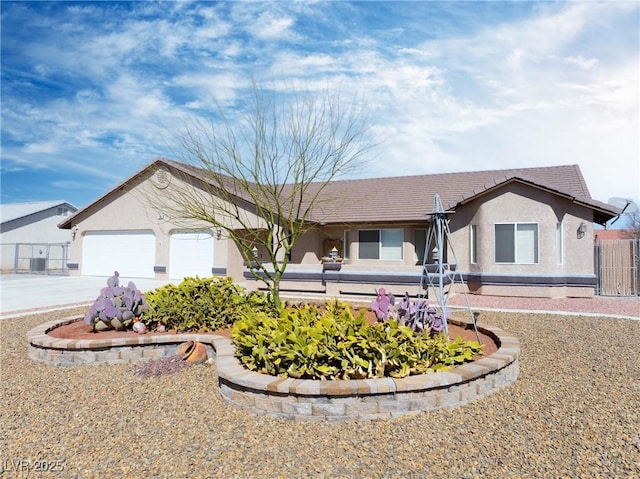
<point>309,249</point>
<point>517,203</point>
<point>128,209</point>
<point>41,227</point>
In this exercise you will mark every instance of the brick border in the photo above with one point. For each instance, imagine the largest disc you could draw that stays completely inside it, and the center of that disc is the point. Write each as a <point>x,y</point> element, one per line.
<point>137,348</point>
<point>299,399</point>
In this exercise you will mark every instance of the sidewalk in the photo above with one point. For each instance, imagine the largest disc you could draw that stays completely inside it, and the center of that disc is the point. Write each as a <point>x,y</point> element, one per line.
<point>26,294</point>
<point>21,295</point>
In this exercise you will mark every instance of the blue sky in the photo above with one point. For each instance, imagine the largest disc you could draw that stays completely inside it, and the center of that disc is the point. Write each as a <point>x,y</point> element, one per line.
<point>92,91</point>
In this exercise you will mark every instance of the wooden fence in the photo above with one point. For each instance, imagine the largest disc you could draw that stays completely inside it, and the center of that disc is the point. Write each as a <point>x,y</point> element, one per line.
<point>617,264</point>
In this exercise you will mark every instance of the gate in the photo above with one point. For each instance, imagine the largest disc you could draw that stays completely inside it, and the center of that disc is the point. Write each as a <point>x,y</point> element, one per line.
<point>617,264</point>
<point>41,258</point>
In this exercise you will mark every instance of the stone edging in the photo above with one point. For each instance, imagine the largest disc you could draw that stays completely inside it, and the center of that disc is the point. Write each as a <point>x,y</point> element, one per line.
<point>299,399</point>
<point>137,348</point>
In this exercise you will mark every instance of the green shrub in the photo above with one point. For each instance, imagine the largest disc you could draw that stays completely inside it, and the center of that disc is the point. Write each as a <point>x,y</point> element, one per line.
<point>306,342</point>
<point>202,304</point>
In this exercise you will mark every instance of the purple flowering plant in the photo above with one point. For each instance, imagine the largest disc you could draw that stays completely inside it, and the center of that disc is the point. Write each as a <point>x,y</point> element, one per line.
<point>417,315</point>
<point>383,305</point>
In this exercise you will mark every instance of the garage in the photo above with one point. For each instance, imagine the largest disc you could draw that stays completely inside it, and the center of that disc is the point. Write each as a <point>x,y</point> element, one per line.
<point>190,254</point>
<point>131,253</point>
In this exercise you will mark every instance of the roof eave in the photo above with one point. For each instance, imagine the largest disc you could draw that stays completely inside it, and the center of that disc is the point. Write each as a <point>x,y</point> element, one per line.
<point>600,214</point>
<point>184,169</point>
<point>68,223</point>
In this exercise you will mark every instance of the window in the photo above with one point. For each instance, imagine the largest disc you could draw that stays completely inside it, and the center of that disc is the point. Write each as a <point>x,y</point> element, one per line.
<point>559,244</point>
<point>516,243</point>
<point>346,246</point>
<point>62,211</point>
<point>380,244</point>
<point>473,246</point>
<point>420,237</point>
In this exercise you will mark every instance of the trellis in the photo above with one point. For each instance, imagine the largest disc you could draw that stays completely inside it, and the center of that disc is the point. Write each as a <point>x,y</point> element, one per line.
<point>442,276</point>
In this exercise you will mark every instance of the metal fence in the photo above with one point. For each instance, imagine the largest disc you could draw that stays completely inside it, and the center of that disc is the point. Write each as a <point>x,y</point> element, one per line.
<point>41,258</point>
<point>617,265</point>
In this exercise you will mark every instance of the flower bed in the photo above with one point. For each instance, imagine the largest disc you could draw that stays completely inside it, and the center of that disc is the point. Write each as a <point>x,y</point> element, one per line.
<point>298,399</point>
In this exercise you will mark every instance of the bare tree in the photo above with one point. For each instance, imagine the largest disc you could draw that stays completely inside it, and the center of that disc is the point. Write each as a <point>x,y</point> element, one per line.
<point>265,169</point>
<point>633,224</point>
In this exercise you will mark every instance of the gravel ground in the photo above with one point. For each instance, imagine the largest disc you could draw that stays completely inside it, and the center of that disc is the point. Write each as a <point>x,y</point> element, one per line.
<point>573,412</point>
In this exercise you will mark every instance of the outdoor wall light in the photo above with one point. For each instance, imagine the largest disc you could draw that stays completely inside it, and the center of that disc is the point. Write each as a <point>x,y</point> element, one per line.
<point>582,229</point>
<point>434,253</point>
<point>255,252</point>
<point>218,232</point>
<point>74,232</point>
<point>160,216</point>
<point>333,254</point>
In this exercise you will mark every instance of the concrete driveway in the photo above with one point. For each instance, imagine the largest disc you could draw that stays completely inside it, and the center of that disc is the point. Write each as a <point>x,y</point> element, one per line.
<point>22,294</point>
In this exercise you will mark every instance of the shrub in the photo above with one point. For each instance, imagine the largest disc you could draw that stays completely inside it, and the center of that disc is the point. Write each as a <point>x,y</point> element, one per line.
<point>202,304</point>
<point>419,315</point>
<point>116,307</point>
<point>306,342</point>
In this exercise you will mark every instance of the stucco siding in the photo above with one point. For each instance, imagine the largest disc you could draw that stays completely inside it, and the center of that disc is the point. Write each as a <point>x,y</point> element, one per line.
<point>518,203</point>
<point>138,206</point>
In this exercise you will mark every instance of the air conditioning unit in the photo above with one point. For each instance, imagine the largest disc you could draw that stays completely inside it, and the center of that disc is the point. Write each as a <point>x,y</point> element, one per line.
<point>38,264</point>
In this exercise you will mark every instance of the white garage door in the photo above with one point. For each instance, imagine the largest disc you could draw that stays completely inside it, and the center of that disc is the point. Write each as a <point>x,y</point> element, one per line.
<point>131,253</point>
<point>190,254</point>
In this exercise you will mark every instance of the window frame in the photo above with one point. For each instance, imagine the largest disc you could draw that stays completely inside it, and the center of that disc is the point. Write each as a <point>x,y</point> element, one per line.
<point>515,225</point>
<point>346,246</point>
<point>419,244</point>
<point>559,243</point>
<point>473,244</point>
<point>380,244</point>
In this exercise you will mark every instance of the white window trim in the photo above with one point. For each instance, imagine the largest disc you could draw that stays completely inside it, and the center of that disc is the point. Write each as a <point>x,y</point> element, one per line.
<point>559,243</point>
<point>473,244</point>
<point>346,246</point>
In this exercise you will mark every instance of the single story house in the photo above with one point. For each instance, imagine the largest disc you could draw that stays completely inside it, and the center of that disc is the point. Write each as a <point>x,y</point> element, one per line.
<point>518,232</point>
<point>30,236</point>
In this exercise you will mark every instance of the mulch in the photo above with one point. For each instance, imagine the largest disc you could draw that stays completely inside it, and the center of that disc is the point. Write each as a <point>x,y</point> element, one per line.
<point>81,330</point>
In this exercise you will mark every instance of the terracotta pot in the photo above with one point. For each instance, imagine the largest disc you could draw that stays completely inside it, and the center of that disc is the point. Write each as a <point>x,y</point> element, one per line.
<point>193,352</point>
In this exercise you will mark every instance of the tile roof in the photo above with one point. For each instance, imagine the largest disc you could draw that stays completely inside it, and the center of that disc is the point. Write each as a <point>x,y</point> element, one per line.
<point>13,211</point>
<point>409,198</point>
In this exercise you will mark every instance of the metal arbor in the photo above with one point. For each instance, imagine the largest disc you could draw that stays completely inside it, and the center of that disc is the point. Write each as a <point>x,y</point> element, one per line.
<point>442,276</point>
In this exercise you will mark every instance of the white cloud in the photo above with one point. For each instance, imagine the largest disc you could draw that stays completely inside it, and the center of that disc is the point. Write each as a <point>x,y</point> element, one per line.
<point>581,62</point>
<point>269,26</point>
<point>542,87</point>
<point>514,97</point>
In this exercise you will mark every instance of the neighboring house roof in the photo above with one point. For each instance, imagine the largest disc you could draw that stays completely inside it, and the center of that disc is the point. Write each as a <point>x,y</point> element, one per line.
<point>14,211</point>
<point>626,233</point>
<point>409,198</point>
